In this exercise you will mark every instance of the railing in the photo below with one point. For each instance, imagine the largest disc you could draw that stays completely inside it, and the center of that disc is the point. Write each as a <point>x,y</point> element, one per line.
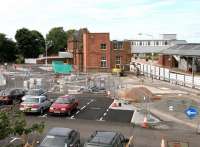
<point>165,74</point>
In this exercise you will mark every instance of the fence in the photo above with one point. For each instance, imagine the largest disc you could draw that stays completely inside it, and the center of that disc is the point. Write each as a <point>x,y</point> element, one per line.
<point>165,74</point>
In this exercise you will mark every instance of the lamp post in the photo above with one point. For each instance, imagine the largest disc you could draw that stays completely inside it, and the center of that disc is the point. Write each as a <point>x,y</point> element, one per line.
<point>47,44</point>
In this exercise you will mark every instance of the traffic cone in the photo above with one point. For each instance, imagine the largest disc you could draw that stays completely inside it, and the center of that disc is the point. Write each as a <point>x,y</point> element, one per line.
<point>114,104</point>
<point>145,124</point>
<point>162,142</point>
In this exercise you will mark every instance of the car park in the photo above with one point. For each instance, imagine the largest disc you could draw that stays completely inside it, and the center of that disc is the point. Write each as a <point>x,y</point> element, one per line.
<point>64,105</point>
<point>35,104</point>
<point>61,137</point>
<point>106,139</point>
<point>9,96</point>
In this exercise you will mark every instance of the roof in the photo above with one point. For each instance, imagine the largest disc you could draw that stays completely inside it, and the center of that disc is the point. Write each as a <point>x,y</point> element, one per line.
<point>189,49</point>
<point>60,131</point>
<point>103,137</point>
<point>66,96</point>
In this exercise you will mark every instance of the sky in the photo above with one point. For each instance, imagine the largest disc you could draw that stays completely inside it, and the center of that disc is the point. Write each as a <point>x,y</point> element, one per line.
<point>124,19</point>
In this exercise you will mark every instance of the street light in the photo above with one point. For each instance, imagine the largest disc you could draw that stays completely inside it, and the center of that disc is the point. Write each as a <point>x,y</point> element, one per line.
<point>47,44</point>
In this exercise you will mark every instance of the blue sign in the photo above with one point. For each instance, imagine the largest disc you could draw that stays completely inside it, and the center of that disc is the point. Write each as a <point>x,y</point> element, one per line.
<point>191,112</point>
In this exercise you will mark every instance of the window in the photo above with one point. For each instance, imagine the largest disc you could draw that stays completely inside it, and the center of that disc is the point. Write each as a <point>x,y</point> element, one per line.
<point>157,43</point>
<point>118,60</point>
<point>140,43</point>
<point>166,43</point>
<point>103,46</point>
<point>103,61</point>
<point>149,43</point>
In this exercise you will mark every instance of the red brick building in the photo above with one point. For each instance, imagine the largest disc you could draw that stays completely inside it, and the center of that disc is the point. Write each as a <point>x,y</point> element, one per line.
<point>94,52</point>
<point>120,53</point>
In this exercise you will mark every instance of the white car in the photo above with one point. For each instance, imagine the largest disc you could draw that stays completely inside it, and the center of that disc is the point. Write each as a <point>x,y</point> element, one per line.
<point>35,104</point>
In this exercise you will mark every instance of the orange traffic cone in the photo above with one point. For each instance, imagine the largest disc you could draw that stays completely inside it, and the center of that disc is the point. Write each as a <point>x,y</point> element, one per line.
<point>162,142</point>
<point>145,124</point>
<point>114,104</point>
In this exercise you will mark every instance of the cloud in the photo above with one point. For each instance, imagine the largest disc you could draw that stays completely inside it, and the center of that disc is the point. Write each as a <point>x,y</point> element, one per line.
<point>122,19</point>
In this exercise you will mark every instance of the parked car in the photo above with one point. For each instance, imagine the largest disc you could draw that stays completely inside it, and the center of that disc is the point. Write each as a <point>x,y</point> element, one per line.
<point>64,105</point>
<point>35,92</point>
<point>96,89</point>
<point>35,104</point>
<point>106,139</point>
<point>61,137</point>
<point>9,96</point>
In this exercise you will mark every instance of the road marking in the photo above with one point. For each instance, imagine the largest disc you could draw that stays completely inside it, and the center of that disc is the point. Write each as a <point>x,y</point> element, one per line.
<point>77,112</point>
<point>101,119</point>
<point>72,117</point>
<point>83,107</point>
<point>14,138</point>
<point>45,115</point>
<point>107,110</point>
<point>105,114</point>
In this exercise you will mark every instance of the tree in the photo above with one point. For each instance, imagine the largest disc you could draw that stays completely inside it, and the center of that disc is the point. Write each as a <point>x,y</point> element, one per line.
<point>7,49</point>
<point>59,40</point>
<point>29,43</point>
<point>13,122</point>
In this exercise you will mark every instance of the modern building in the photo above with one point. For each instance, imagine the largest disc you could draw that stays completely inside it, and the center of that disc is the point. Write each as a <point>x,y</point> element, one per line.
<point>148,47</point>
<point>94,52</point>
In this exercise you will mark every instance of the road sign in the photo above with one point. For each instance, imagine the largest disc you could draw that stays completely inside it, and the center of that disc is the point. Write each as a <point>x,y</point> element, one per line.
<point>191,112</point>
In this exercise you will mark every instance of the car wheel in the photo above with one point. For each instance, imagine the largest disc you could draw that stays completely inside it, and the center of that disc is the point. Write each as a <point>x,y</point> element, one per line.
<point>78,144</point>
<point>41,111</point>
<point>69,113</point>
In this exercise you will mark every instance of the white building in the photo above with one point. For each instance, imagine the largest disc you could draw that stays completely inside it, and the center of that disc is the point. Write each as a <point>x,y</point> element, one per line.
<point>140,47</point>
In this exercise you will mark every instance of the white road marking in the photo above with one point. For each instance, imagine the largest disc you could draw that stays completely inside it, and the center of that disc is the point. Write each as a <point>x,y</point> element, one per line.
<point>105,114</point>
<point>77,112</point>
<point>72,117</point>
<point>14,138</point>
<point>107,110</point>
<point>83,107</point>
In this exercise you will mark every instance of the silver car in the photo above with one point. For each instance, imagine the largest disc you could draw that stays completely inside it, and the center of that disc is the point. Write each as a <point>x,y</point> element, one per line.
<point>35,104</point>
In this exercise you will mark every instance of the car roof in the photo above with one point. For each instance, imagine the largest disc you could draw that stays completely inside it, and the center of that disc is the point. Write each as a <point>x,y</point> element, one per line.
<point>34,96</point>
<point>60,131</point>
<point>103,137</point>
<point>66,96</point>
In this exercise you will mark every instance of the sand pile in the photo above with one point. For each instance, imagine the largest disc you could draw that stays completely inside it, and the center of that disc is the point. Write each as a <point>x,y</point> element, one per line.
<point>137,94</point>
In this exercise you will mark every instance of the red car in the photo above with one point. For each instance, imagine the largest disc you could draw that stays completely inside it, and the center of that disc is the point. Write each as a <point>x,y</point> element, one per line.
<point>64,105</point>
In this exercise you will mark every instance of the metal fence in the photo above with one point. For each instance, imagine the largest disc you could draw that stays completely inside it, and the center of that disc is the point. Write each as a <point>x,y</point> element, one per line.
<point>165,74</point>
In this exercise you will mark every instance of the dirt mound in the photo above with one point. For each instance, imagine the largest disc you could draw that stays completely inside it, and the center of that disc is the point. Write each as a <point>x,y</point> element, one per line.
<point>137,94</point>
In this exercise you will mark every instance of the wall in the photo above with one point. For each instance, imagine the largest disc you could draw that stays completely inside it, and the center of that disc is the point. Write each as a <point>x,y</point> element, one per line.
<point>92,52</point>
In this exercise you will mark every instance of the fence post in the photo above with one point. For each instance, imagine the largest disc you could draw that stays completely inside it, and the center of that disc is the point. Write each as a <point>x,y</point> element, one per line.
<point>184,80</point>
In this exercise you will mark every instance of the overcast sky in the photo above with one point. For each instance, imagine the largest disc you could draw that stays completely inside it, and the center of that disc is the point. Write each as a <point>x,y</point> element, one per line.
<point>124,19</point>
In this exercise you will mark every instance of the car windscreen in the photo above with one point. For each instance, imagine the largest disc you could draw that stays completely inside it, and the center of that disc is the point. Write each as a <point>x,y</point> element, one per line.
<point>54,141</point>
<point>31,100</point>
<point>63,101</point>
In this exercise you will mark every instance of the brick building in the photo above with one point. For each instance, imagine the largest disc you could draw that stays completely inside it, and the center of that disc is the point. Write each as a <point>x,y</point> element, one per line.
<point>120,53</point>
<point>94,52</point>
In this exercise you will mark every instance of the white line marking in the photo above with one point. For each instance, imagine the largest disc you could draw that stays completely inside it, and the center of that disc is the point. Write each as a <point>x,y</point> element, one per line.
<point>101,119</point>
<point>72,117</point>
<point>77,112</point>
<point>107,110</point>
<point>105,114</point>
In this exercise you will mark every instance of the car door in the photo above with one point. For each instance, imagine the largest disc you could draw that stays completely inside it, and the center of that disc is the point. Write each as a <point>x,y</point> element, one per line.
<point>73,138</point>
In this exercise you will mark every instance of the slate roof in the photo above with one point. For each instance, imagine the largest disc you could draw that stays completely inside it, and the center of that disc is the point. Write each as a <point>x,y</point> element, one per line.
<point>189,49</point>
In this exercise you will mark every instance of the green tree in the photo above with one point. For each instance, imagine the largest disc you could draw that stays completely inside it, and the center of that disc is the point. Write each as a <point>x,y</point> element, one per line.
<point>58,37</point>
<point>29,43</point>
<point>7,49</point>
<point>13,122</point>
